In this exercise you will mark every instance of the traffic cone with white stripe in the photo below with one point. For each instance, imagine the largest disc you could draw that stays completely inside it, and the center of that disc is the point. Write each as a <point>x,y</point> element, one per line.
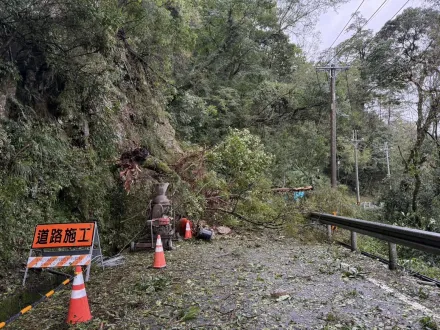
<point>79,310</point>
<point>159,255</point>
<point>188,233</point>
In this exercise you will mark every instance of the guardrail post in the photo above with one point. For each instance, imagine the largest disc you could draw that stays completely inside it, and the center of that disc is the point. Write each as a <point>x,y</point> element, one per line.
<point>392,252</point>
<point>329,231</point>
<point>354,242</point>
<point>417,239</point>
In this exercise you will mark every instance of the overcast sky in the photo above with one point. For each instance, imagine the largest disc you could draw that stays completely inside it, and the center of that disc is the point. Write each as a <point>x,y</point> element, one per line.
<point>332,22</point>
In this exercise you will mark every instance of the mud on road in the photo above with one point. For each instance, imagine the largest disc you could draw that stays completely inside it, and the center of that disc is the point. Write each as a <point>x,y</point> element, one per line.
<point>240,282</point>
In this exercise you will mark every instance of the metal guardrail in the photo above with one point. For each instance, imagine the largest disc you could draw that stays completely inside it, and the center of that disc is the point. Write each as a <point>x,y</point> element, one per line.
<point>414,238</point>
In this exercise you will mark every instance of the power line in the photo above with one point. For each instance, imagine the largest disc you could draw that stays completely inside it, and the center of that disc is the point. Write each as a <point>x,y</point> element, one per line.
<point>366,44</point>
<point>343,29</point>
<point>370,41</point>
<point>395,14</point>
<point>374,14</point>
<point>399,10</point>
<point>377,10</point>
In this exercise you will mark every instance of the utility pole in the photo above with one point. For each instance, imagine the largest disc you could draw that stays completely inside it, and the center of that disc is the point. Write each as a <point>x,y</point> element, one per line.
<point>356,141</point>
<point>388,162</point>
<point>333,70</point>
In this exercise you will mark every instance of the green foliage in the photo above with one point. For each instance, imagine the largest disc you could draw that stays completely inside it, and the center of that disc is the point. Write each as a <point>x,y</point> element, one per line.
<point>189,314</point>
<point>83,89</point>
<point>299,151</point>
<point>428,323</point>
<point>238,174</point>
<point>260,205</point>
<point>327,200</point>
<point>187,201</point>
<point>85,81</point>
<point>152,284</point>
<point>240,160</point>
<point>420,264</point>
<point>405,57</point>
<point>244,71</point>
<point>401,48</point>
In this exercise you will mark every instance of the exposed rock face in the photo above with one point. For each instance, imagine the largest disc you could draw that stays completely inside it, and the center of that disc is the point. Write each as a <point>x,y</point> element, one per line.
<point>6,90</point>
<point>166,134</point>
<point>141,118</point>
<point>65,126</point>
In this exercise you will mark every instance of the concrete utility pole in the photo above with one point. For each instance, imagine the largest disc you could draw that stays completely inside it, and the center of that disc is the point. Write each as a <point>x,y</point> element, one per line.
<point>388,159</point>
<point>355,144</point>
<point>333,70</point>
<point>388,162</point>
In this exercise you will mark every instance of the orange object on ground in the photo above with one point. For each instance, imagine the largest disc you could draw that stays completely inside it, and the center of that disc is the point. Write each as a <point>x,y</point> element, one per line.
<point>79,310</point>
<point>188,233</point>
<point>159,255</point>
<point>334,228</point>
<point>182,226</point>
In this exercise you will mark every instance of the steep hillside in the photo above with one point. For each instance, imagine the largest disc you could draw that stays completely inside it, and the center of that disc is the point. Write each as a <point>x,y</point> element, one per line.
<point>74,97</point>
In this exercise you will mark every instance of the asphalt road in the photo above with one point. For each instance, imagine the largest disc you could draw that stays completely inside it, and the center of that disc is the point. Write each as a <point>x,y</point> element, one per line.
<point>248,282</point>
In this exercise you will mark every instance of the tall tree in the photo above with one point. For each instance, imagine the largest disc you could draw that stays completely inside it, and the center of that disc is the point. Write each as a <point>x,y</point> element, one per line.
<point>243,52</point>
<point>406,56</point>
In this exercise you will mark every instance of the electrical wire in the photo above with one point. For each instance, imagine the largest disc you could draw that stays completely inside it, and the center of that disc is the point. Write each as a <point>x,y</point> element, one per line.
<point>343,29</point>
<point>369,19</point>
<point>395,14</point>
<point>399,10</point>
<point>374,14</point>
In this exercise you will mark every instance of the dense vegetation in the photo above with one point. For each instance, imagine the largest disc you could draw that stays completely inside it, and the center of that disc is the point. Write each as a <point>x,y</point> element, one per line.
<point>226,105</point>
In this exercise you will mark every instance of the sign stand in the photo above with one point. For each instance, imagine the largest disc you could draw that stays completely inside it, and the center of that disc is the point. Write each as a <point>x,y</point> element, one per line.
<point>26,270</point>
<point>65,236</point>
<point>95,253</point>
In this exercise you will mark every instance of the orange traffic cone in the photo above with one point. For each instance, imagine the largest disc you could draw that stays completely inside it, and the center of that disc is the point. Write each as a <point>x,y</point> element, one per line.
<point>159,255</point>
<point>334,228</point>
<point>188,233</point>
<point>79,310</point>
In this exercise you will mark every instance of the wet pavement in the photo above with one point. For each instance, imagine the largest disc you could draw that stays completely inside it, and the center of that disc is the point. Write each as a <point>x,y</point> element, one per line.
<point>249,282</point>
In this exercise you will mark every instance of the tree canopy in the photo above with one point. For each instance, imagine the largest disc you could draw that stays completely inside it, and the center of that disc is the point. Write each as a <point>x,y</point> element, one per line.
<point>226,104</point>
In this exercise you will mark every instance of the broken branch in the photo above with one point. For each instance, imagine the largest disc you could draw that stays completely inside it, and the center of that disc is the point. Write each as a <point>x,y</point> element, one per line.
<point>239,216</point>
